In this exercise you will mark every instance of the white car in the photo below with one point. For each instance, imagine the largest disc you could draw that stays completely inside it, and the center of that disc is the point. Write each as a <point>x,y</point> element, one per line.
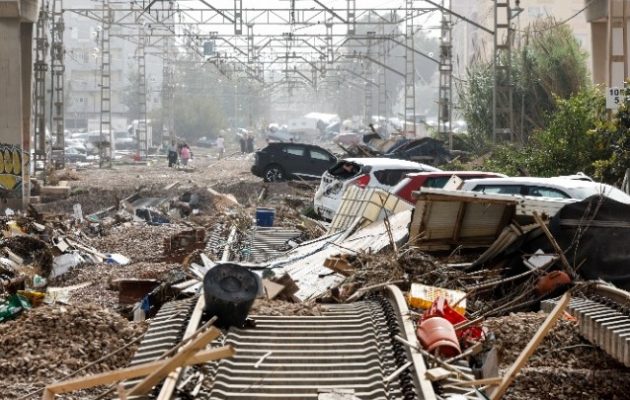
<point>383,173</point>
<point>555,188</point>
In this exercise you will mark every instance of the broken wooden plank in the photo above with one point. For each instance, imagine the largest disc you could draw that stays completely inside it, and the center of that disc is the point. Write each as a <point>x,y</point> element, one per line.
<point>552,240</point>
<point>132,372</point>
<point>193,323</point>
<point>531,347</point>
<point>179,359</point>
<point>480,382</point>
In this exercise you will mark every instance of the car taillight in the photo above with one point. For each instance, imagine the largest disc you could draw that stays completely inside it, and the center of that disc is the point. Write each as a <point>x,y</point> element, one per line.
<point>361,181</point>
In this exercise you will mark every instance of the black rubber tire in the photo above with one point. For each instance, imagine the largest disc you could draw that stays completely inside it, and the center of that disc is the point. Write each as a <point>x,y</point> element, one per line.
<point>274,173</point>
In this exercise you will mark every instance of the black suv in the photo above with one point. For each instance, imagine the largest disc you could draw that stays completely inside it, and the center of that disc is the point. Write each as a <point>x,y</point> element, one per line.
<point>281,161</point>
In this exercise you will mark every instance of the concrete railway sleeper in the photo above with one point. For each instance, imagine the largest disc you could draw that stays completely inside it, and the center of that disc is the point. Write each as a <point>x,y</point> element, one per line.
<point>603,318</point>
<point>348,347</point>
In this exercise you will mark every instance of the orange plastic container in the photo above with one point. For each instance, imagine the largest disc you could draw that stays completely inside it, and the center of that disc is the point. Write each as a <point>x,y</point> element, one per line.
<point>438,336</point>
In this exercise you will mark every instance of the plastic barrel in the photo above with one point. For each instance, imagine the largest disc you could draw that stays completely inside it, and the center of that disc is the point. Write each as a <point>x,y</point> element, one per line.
<point>265,216</point>
<point>230,291</point>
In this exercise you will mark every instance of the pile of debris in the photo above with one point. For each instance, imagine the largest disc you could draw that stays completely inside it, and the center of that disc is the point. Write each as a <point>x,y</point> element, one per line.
<point>50,342</point>
<point>465,261</point>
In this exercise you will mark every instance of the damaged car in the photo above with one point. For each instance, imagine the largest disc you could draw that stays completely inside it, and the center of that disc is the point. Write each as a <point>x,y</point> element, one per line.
<point>383,173</point>
<point>281,161</point>
<point>555,188</point>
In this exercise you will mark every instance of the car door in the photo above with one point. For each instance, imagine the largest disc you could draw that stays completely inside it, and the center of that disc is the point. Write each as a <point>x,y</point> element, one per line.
<point>319,161</point>
<point>295,160</point>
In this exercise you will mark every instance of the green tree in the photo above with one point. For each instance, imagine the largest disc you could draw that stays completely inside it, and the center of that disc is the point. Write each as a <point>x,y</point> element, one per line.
<point>578,137</point>
<point>549,64</point>
<point>613,140</point>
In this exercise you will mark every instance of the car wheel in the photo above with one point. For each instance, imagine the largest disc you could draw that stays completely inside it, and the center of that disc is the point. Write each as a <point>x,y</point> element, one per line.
<point>274,173</point>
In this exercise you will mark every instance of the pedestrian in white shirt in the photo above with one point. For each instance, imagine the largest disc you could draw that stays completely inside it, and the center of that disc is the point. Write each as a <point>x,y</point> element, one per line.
<point>221,146</point>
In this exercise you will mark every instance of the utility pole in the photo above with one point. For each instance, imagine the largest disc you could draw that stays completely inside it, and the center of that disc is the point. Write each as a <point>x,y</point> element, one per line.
<point>40,149</point>
<point>410,73</point>
<point>445,100</point>
<point>105,126</point>
<point>142,130</point>
<point>502,92</point>
<point>57,53</point>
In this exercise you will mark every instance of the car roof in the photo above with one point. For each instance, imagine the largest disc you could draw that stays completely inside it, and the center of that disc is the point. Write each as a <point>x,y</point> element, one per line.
<point>576,188</point>
<point>383,162</point>
<point>278,144</point>
<point>459,173</point>
<point>527,180</point>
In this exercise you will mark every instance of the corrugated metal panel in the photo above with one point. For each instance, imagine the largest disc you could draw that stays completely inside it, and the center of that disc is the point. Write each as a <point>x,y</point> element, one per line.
<point>265,244</point>
<point>367,203</point>
<point>525,205</point>
<point>483,220</point>
<point>438,223</point>
<point>305,264</point>
<point>447,219</point>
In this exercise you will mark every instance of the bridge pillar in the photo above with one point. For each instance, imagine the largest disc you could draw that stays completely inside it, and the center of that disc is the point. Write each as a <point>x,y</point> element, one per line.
<point>16,65</point>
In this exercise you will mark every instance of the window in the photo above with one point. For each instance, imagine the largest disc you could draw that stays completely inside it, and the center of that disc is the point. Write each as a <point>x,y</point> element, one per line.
<point>498,189</point>
<point>319,155</point>
<point>294,150</point>
<point>540,191</point>
<point>391,177</point>
<point>437,182</point>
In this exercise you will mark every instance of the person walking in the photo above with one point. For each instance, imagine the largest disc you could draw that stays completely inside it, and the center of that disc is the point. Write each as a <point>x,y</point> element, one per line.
<point>221,146</point>
<point>250,143</point>
<point>243,143</point>
<point>172,155</point>
<point>185,154</point>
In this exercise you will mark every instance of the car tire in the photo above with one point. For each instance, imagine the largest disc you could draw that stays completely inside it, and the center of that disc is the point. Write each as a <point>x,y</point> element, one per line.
<point>274,173</point>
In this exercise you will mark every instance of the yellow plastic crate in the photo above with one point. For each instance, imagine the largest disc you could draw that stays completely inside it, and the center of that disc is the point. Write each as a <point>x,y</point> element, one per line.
<point>422,296</point>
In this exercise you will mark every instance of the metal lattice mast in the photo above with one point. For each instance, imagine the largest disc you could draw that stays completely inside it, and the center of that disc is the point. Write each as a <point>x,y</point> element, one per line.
<point>168,82</point>
<point>141,130</point>
<point>502,94</point>
<point>382,85</point>
<point>105,125</point>
<point>352,17</point>
<point>168,123</point>
<point>39,93</point>
<point>238,17</point>
<point>57,53</point>
<point>410,72</point>
<point>367,74</point>
<point>330,50</point>
<point>445,100</point>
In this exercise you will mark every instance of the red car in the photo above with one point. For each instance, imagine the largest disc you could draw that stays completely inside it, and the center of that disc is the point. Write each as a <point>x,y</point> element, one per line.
<point>414,181</point>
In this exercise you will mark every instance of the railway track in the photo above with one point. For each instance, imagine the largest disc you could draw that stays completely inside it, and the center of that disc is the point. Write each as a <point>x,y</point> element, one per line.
<point>349,347</point>
<point>603,316</point>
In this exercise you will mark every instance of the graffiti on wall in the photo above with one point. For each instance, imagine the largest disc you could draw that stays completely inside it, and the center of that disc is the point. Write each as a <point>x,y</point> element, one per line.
<point>12,162</point>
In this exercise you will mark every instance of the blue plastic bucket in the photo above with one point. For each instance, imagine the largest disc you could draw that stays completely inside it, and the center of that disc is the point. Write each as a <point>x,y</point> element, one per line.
<point>265,216</point>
